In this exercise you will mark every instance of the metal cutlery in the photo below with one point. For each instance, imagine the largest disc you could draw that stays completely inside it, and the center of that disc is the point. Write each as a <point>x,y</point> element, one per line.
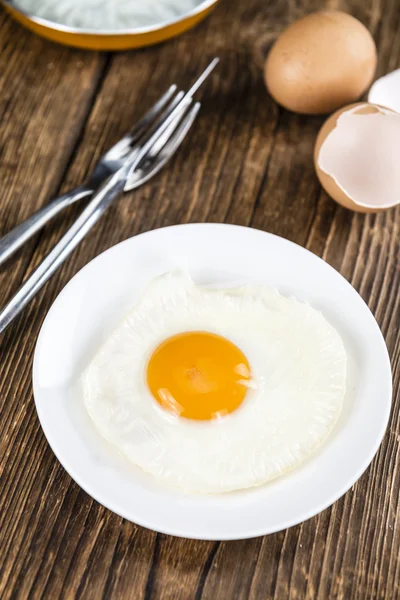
<point>108,164</point>
<point>157,142</point>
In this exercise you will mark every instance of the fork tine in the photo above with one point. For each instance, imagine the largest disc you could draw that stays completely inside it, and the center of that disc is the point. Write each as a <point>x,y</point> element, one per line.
<point>166,112</point>
<point>124,146</point>
<point>167,122</point>
<point>147,119</point>
<point>181,96</point>
<point>157,108</point>
<point>144,129</point>
<point>165,148</point>
<point>151,114</point>
<point>181,131</point>
<point>168,133</point>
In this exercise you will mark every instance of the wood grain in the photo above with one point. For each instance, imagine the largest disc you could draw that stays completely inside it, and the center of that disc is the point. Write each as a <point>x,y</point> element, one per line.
<point>246,162</point>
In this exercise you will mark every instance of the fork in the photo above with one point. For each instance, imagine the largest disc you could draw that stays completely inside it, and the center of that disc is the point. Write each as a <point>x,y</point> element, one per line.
<point>141,163</point>
<point>108,164</point>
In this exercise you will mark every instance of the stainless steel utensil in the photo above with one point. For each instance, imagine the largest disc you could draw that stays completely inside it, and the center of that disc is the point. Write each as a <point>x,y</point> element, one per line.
<point>157,146</point>
<point>108,164</point>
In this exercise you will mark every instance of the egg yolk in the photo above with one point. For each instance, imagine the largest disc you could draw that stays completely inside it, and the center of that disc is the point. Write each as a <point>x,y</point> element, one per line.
<point>198,375</point>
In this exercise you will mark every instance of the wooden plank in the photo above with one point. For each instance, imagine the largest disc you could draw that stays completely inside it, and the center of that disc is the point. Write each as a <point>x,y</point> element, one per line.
<point>246,162</point>
<point>46,93</point>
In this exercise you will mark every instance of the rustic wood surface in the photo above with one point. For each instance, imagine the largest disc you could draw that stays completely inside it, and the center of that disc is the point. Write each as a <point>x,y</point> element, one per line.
<point>246,162</point>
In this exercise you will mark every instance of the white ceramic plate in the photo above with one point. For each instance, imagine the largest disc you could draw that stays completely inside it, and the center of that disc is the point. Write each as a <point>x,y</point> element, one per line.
<point>92,304</point>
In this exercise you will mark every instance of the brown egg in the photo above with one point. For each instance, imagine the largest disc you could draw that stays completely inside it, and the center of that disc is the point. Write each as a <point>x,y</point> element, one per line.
<point>320,63</point>
<point>355,157</point>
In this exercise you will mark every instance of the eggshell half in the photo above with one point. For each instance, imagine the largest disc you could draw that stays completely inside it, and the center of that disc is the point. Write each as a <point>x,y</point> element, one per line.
<point>363,161</point>
<point>386,91</point>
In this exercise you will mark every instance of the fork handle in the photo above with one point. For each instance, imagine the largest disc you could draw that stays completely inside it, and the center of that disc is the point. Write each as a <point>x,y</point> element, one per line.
<point>13,240</point>
<point>96,207</point>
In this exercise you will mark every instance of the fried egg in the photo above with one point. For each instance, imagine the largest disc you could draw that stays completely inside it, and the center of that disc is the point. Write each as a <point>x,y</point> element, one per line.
<point>215,390</point>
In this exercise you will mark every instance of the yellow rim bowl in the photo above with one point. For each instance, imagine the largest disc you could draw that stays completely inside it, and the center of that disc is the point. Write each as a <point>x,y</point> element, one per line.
<point>111,41</point>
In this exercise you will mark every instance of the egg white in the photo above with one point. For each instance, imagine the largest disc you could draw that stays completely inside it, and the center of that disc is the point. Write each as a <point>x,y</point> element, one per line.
<point>298,364</point>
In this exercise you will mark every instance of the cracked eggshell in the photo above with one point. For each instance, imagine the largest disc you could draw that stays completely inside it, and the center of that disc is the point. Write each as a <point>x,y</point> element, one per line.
<point>359,158</point>
<point>386,91</point>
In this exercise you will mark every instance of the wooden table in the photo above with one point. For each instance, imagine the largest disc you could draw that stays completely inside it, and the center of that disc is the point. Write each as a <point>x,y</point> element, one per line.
<point>246,162</point>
